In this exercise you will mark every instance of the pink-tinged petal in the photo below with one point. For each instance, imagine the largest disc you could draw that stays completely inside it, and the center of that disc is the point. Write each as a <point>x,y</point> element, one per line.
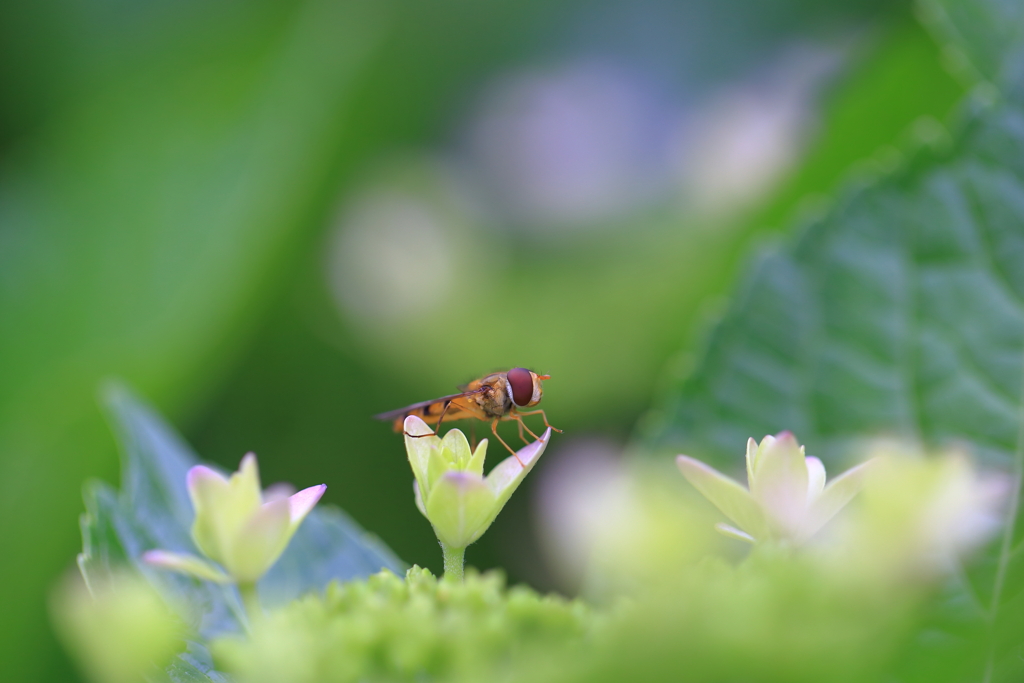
<point>508,473</point>
<point>202,481</point>
<point>185,563</point>
<point>815,477</point>
<point>781,482</point>
<point>733,532</point>
<point>726,494</point>
<point>278,492</point>
<point>834,498</point>
<point>302,502</point>
<point>259,542</point>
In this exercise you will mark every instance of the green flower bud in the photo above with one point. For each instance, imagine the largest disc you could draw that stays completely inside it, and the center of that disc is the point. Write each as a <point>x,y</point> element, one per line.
<point>450,488</point>
<point>237,525</point>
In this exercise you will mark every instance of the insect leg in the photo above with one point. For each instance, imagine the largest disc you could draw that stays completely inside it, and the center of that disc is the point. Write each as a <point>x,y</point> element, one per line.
<point>494,430</point>
<point>522,425</point>
<point>542,414</point>
<point>437,428</point>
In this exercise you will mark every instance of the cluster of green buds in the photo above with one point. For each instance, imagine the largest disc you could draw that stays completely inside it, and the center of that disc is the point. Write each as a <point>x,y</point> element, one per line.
<point>241,529</point>
<point>451,490</point>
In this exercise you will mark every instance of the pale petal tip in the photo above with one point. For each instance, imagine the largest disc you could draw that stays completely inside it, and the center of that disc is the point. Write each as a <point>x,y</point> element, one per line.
<point>198,473</point>
<point>414,426</point>
<point>299,504</point>
<point>279,491</point>
<point>155,557</point>
<point>685,461</point>
<point>527,454</point>
<point>185,564</point>
<point>733,532</point>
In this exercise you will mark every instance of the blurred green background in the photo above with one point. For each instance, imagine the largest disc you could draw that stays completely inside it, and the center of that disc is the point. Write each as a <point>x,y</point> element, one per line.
<point>275,219</point>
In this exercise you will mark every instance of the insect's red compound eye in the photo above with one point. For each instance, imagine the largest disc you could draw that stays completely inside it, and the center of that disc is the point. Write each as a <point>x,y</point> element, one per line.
<point>521,381</point>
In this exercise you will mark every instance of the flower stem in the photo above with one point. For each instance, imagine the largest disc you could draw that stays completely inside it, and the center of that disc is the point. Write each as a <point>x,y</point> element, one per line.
<point>250,600</point>
<point>454,562</point>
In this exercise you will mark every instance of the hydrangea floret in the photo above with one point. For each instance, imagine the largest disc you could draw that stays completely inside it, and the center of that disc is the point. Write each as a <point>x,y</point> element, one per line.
<point>920,512</point>
<point>787,499</point>
<point>451,490</point>
<point>117,625</point>
<point>239,527</point>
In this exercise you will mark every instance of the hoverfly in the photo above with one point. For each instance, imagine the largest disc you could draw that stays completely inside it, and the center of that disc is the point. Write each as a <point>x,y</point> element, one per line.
<point>497,396</point>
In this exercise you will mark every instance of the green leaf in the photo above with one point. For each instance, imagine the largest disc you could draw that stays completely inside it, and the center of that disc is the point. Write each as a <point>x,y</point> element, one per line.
<point>984,33</point>
<point>193,666</point>
<point>328,546</point>
<point>145,225</point>
<point>900,312</point>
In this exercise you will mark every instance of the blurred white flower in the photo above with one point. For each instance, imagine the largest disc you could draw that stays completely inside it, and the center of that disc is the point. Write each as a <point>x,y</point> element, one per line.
<point>918,513</point>
<point>609,527</point>
<point>738,143</point>
<point>787,499</point>
<point>391,258</point>
<point>399,241</point>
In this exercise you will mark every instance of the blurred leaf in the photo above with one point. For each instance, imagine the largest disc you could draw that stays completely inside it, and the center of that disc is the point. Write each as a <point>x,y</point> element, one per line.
<point>191,667</point>
<point>144,225</point>
<point>328,546</point>
<point>985,33</point>
<point>900,312</point>
<point>101,547</point>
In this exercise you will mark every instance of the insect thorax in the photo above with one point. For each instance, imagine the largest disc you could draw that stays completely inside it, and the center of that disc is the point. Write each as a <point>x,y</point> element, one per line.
<point>495,402</point>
